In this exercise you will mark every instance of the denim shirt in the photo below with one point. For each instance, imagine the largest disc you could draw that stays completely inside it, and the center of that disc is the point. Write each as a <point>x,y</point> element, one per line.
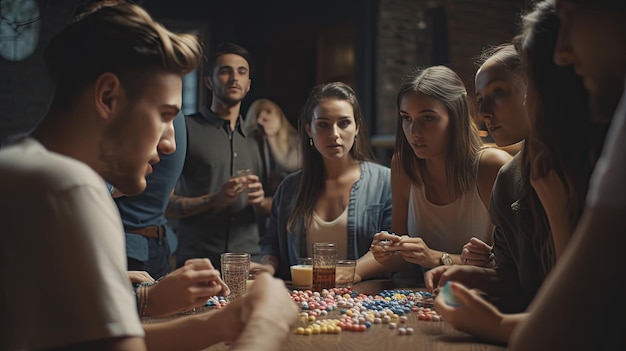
<point>369,212</point>
<point>148,208</point>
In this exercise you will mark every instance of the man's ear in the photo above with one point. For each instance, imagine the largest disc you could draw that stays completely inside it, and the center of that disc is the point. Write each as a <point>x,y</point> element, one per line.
<point>207,82</point>
<point>249,85</point>
<point>108,93</point>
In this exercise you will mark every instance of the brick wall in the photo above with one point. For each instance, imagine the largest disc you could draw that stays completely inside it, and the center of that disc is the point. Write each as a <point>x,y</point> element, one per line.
<point>406,39</point>
<point>403,40</point>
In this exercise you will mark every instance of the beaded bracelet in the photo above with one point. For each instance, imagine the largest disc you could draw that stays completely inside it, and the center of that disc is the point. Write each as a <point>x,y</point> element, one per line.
<point>141,297</point>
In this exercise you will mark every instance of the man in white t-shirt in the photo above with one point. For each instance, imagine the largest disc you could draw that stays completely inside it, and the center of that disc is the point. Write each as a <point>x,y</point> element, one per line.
<point>118,82</point>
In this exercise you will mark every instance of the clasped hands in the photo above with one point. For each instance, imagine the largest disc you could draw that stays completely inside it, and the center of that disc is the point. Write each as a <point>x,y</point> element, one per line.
<point>411,249</point>
<point>236,185</point>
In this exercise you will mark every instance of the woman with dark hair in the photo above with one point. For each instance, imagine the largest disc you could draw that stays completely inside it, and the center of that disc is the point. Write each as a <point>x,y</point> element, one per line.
<point>442,174</point>
<point>557,164</point>
<point>339,195</point>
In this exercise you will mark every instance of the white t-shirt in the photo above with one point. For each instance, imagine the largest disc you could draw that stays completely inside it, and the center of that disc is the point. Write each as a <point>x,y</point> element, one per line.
<point>607,186</point>
<point>62,258</point>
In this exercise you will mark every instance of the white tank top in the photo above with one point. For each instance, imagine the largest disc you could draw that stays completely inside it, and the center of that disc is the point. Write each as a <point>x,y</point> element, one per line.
<point>448,227</point>
<point>335,231</point>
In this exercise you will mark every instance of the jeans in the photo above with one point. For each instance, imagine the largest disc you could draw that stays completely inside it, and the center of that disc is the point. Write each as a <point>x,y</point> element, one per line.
<point>158,264</point>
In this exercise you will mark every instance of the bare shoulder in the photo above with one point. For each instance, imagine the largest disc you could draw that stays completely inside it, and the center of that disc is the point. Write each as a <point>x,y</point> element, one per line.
<point>494,157</point>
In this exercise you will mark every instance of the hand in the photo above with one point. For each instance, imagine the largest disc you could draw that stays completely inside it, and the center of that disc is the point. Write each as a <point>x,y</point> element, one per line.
<point>256,194</point>
<point>271,124</point>
<point>258,268</point>
<point>437,277</point>
<point>187,287</point>
<point>380,246</point>
<point>140,277</point>
<point>230,191</point>
<point>475,315</point>
<point>477,253</point>
<point>415,250</point>
<point>262,316</point>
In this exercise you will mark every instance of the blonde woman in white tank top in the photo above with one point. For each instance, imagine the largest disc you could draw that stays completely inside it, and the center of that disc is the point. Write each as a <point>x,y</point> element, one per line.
<point>441,175</point>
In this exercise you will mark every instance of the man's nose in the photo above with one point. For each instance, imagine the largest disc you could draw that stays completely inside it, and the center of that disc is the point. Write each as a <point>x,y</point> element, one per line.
<point>167,143</point>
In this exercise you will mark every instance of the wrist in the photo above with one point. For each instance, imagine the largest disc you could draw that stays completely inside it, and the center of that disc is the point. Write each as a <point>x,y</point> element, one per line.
<point>143,298</point>
<point>445,259</point>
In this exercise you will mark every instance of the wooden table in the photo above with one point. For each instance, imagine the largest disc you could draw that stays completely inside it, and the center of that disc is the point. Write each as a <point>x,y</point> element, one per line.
<point>426,336</point>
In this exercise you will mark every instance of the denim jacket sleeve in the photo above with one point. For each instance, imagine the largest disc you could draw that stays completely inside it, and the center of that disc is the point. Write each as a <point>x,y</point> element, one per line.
<point>371,203</point>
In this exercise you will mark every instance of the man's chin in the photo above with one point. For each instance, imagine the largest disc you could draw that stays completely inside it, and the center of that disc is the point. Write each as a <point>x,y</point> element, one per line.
<point>132,188</point>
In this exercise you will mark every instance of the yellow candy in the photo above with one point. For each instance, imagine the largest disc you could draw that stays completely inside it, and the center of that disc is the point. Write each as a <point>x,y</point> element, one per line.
<point>300,331</point>
<point>308,331</point>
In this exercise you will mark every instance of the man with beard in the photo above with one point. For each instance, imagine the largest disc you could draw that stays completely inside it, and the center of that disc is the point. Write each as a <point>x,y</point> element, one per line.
<point>118,81</point>
<point>216,203</point>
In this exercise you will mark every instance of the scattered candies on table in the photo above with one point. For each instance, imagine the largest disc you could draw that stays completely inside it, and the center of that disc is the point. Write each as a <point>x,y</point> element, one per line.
<point>359,311</point>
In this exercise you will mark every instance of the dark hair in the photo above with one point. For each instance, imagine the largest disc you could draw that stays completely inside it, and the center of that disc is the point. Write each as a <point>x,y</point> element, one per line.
<point>443,84</point>
<point>227,48</point>
<point>561,100</point>
<point>313,170</point>
<point>120,38</point>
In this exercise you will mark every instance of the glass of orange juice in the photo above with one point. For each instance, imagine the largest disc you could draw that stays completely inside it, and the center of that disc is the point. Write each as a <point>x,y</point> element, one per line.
<point>302,274</point>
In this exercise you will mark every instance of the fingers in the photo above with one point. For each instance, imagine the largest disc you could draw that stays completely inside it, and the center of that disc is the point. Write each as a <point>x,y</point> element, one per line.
<point>140,277</point>
<point>384,235</point>
<point>199,263</point>
<point>479,245</point>
<point>476,252</point>
<point>204,275</point>
<point>234,186</point>
<point>463,295</point>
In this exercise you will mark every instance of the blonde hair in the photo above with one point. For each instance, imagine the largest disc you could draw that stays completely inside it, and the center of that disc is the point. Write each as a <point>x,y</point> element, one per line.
<point>286,131</point>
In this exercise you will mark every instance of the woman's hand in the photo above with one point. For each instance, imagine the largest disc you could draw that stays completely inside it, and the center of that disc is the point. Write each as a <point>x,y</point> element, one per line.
<point>477,253</point>
<point>380,246</point>
<point>474,315</point>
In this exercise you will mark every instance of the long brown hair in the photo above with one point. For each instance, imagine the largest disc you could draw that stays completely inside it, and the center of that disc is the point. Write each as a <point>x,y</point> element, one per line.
<point>313,170</point>
<point>441,83</point>
<point>561,100</point>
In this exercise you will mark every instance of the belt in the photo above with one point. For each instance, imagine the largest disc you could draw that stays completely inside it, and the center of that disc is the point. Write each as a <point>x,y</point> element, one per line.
<point>156,232</point>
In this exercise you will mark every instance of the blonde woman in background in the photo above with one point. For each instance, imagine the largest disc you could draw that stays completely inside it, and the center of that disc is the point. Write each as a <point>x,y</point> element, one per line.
<point>277,138</point>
